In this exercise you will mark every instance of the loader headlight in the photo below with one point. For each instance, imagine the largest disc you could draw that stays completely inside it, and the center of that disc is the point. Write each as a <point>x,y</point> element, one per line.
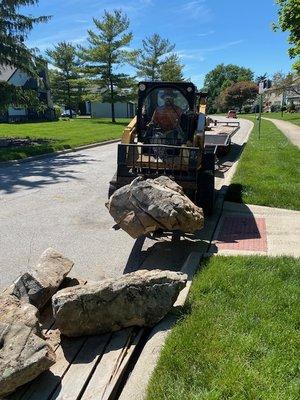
<point>142,87</point>
<point>189,89</point>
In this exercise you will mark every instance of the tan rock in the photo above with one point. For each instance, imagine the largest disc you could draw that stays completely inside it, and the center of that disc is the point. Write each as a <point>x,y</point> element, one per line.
<point>39,284</point>
<point>24,353</point>
<point>141,298</point>
<point>148,205</point>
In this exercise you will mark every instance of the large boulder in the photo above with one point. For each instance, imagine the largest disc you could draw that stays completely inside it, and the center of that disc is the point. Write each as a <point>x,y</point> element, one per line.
<point>141,298</point>
<point>39,283</point>
<point>148,205</point>
<point>24,353</point>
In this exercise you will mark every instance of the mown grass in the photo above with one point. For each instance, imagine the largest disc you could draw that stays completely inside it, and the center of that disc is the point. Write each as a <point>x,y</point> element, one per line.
<point>59,135</point>
<point>240,339</point>
<point>294,118</point>
<point>268,171</point>
<point>290,117</point>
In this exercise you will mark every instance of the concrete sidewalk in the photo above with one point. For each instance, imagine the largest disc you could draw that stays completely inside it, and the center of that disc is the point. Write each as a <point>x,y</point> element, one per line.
<point>291,131</point>
<point>247,229</point>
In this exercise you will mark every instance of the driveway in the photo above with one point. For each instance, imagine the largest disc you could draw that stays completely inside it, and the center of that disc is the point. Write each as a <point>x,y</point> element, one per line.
<point>59,201</point>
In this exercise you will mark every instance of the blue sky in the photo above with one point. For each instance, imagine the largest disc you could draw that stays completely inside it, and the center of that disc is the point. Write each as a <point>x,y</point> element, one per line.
<point>206,32</point>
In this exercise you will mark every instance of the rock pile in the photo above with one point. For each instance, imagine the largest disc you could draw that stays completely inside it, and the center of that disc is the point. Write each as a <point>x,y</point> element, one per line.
<point>24,353</point>
<point>141,298</point>
<point>148,205</point>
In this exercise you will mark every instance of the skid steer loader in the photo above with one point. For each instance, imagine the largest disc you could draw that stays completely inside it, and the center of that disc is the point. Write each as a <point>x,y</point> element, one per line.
<point>167,138</point>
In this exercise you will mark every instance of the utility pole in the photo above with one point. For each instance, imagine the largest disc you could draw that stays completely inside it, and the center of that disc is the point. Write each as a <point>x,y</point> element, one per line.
<point>260,111</point>
<point>263,85</point>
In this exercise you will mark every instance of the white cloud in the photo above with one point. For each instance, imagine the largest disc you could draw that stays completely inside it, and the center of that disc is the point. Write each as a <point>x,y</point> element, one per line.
<point>211,32</point>
<point>221,46</point>
<point>199,54</point>
<point>188,54</point>
<point>197,9</point>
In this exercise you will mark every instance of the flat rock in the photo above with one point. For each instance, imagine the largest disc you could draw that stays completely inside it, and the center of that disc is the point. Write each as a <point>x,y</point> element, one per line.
<point>39,283</point>
<point>148,205</point>
<point>24,353</point>
<point>141,298</point>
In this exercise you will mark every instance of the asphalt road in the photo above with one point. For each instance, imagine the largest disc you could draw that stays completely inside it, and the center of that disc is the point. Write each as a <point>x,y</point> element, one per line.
<point>60,202</point>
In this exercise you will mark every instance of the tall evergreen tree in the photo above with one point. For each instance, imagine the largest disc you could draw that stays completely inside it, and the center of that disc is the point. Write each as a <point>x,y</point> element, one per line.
<point>151,58</point>
<point>171,69</point>
<point>106,53</point>
<point>67,85</point>
<point>14,29</point>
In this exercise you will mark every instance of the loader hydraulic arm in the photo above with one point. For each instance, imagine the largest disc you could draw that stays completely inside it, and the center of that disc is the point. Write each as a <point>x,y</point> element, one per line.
<point>129,132</point>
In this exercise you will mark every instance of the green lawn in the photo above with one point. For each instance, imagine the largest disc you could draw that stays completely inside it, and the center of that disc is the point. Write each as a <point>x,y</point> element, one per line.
<point>59,135</point>
<point>294,118</point>
<point>268,172</point>
<point>240,337</point>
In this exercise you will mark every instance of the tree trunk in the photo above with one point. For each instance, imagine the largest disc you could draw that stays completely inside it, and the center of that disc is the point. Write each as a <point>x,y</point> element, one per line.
<point>112,101</point>
<point>69,100</point>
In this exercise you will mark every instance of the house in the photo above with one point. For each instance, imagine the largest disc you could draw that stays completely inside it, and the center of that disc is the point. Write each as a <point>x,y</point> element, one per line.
<point>15,76</point>
<point>122,110</point>
<point>275,98</point>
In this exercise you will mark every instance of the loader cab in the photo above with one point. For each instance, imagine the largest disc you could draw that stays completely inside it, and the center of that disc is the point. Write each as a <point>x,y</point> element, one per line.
<point>166,110</point>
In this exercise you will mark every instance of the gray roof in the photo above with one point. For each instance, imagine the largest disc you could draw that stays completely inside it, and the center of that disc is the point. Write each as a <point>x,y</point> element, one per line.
<point>6,72</point>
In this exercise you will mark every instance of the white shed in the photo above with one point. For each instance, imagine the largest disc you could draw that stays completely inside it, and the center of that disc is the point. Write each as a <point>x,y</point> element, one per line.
<point>103,110</point>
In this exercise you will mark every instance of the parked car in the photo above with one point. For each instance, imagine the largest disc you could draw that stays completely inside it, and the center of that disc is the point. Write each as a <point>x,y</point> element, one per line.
<point>231,114</point>
<point>67,113</point>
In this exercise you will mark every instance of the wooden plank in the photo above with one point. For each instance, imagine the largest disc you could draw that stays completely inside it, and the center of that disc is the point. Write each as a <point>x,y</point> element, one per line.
<point>47,383</point>
<point>109,364</point>
<point>81,369</point>
<point>113,385</point>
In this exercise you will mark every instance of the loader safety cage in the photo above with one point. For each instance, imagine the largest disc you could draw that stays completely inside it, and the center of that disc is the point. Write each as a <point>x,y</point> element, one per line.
<point>152,160</point>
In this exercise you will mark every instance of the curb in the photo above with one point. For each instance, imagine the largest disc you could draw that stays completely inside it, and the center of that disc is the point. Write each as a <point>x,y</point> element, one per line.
<point>56,153</point>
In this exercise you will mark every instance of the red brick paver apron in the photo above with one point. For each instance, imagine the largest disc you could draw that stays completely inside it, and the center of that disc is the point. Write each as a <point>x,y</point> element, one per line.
<point>242,233</point>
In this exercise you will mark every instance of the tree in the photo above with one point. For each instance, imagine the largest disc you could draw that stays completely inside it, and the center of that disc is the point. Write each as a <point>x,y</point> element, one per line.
<point>285,84</point>
<point>106,53</point>
<point>17,96</point>
<point>67,85</point>
<point>215,79</point>
<point>238,94</point>
<point>282,83</point>
<point>6,95</point>
<point>171,69</point>
<point>150,60</point>
<point>14,29</point>
<point>261,78</point>
<point>289,20</point>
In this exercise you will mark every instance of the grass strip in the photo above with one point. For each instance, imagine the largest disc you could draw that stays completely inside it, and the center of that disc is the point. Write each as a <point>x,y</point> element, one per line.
<point>268,171</point>
<point>239,338</point>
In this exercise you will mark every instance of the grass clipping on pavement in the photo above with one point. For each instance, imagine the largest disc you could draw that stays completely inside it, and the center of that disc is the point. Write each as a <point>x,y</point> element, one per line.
<point>268,171</point>
<point>239,339</point>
